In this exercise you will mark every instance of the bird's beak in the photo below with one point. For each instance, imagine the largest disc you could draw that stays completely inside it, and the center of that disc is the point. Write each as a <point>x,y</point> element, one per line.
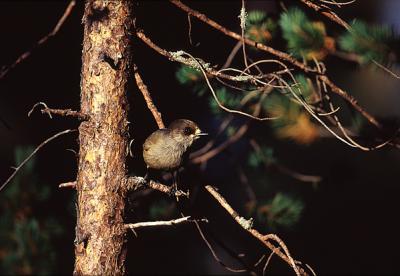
<point>199,133</point>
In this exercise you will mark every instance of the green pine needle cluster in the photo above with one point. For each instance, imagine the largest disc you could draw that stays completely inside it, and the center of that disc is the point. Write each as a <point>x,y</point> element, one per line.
<point>280,105</point>
<point>293,122</point>
<point>227,98</point>
<point>265,156</point>
<point>260,28</point>
<point>305,39</point>
<point>368,42</point>
<point>191,77</point>
<point>283,211</point>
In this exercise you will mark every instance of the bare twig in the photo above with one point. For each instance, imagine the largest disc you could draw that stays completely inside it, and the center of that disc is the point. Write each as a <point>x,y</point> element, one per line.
<point>279,54</point>
<point>267,262</point>
<point>244,180</point>
<point>260,260</point>
<point>282,55</point>
<point>219,102</point>
<point>61,112</point>
<point>25,55</point>
<point>387,70</point>
<point>214,253</point>
<point>148,224</point>
<point>224,124</point>
<point>188,62</point>
<point>286,170</point>
<point>16,170</point>
<point>68,185</point>
<point>311,269</point>
<point>328,13</point>
<point>233,139</point>
<point>147,97</point>
<point>339,4</point>
<point>37,104</point>
<point>232,54</point>
<point>190,29</point>
<point>334,17</point>
<point>136,182</point>
<point>247,225</point>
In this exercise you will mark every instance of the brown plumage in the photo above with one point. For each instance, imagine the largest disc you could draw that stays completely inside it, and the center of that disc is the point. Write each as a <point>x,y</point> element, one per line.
<point>165,149</point>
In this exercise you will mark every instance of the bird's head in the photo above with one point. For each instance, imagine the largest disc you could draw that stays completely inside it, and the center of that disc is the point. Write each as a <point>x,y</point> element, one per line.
<point>185,131</point>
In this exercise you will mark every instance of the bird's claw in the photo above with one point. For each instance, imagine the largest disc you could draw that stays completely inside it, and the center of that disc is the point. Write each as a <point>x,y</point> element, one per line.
<point>178,193</point>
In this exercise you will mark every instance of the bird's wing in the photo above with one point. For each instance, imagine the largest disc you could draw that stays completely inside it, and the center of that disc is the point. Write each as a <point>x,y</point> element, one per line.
<point>153,139</point>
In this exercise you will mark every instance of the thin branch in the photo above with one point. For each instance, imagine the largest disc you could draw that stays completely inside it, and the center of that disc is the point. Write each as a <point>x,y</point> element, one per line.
<point>214,253</point>
<point>210,71</point>
<point>339,4</point>
<point>223,125</point>
<point>135,182</point>
<point>328,13</point>
<point>212,153</point>
<point>16,170</point>
<point>148,224</point>
<point>190,29</point>
<point>232,54</point>
<point>68,185</point>
<point>281,55</point>
<point>247,225</point>
<point>5,70</point>
<point>267,262</point>
<point>212,23</point>
<point>233,139</point>
<point>387,70</point>
<point>219,102</point>
<point>334,17</point>
<point>349,99</point>
<point>286,170</point>
<point>244,180</point>
<point>299,98</point>
<point>61,112</point>
<point>147,97</point>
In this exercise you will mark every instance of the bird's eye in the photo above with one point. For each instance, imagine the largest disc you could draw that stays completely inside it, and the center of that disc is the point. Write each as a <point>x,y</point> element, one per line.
<point>187,131</point>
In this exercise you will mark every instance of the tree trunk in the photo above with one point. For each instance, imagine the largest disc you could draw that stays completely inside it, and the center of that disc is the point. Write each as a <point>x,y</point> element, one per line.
<point>100,235</point>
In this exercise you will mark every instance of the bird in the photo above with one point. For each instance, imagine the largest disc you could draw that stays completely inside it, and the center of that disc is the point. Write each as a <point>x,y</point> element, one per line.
<point>167,149</point>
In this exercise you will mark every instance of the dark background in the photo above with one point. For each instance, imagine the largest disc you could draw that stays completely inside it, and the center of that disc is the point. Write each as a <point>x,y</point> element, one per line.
<point>350,224</point>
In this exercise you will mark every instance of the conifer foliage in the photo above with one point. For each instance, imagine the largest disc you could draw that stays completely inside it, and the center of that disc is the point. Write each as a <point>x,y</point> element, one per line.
<point>308,40</point>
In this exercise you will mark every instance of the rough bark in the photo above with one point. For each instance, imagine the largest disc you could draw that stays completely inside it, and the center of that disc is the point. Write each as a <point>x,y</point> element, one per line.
<point>100,234</point>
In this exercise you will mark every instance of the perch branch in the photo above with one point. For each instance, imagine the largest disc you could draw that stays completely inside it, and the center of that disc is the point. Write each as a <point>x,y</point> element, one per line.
<point>135,182</point>
<point>25,55</point>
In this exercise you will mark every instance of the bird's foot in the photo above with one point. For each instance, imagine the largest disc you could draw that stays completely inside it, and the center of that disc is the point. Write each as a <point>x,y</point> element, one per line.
<point>142,180</point>
<point>174,191</point>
